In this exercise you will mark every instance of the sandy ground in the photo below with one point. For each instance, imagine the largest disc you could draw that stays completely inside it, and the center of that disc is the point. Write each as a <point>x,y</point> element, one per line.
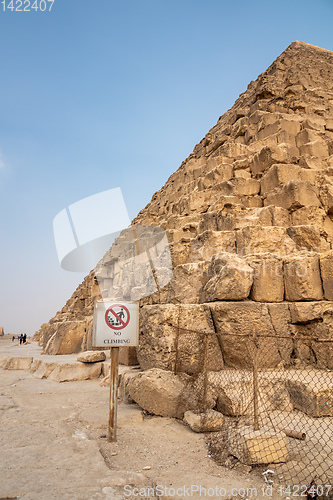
<point>54,446</point>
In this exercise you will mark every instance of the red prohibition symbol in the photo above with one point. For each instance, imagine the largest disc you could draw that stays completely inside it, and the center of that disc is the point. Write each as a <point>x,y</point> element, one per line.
<point>115,318</point>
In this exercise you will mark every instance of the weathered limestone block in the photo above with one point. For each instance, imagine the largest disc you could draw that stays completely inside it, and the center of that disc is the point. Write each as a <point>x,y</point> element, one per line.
<point>127,356</point>
<point>215,176</point>
<point>238,216</point>
<point>326,271</point>
<point>312,396</point>
<point>237,404</point>
<point>302,278</point>
<point>187,284</point>
<point>158,342</point>
<point>268,283</point>
<point>125,375</point>
<point>280,317</point>
<point>223,200</point>
<point>317,148</point>
<point>161,393</point>
<point>286,125</point>
<point>307,312</point>
<point>91,356</point>
<point>181,251</point>
<point>210,421</point>
<point>278,175</point>
<point>75,371</point>
<point>44,370</point>
<point>208,222</point>
<point>239,187</point>
<point>231,279</point>
<point>293,195</point>
<point>244,174</point>
<point>258,447</point>
<point>329,125</point>
<point>305,216</point>
<point>252,201</point>
<point>210,243</point>
<point>313,320</point>
<point>278,216</point>
<point>236,398</point>
<point>69,337</point>
<point>314,122</point>
<point>326,197</point>
<point>18,363</point>
<point>257,240</point>
<point>307,135</point>
<point>234,321</point>
<point>267,157</point>
<point>233,217</point>
<point>307,237</point>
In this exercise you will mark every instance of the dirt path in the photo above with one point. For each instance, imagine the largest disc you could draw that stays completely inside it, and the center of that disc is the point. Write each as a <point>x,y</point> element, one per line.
<point>54,447</point>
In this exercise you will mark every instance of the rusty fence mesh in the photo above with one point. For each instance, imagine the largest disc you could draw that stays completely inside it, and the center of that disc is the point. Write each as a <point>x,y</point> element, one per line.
<point>279,417</point>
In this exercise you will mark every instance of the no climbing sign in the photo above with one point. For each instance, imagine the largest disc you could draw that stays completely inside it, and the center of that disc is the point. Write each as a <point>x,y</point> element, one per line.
<point>115,324</point>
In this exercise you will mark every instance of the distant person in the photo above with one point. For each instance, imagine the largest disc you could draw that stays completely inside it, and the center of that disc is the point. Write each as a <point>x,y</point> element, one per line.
<point>13,338</point>
<point>21,338</point>
<point>24,338</point>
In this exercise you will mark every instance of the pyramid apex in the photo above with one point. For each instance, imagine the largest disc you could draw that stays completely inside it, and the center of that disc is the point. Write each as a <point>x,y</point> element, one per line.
<point>298,43</point>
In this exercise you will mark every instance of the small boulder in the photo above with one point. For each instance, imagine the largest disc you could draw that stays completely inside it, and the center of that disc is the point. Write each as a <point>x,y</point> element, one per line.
<point>161,392</point>
<point>91,356</point>
<point>210,421</point>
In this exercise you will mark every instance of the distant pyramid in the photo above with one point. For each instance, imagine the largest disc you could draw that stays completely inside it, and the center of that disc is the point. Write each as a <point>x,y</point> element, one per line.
<point>249,221</point>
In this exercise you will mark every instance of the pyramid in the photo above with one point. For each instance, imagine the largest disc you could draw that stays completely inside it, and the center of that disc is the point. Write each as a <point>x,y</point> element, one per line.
<point>249,220</point>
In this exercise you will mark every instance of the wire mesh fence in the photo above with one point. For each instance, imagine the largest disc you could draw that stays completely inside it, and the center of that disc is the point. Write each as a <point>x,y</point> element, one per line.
<point>279,417</point>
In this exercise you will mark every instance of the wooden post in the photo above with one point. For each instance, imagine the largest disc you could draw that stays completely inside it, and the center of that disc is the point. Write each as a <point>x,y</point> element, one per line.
<point>113,394</point>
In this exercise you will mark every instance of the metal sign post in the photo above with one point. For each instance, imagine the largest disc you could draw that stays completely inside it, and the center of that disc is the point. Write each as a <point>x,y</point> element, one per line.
<point>112,431</point>
<point>115,325</point>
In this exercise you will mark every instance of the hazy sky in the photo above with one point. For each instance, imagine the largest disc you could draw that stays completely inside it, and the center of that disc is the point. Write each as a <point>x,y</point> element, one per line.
<point>102,94</point>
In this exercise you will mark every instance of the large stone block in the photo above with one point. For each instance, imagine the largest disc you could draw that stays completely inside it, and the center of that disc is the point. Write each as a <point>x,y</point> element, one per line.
<point>302,278</point>
<point>239,187</point>
<point>69,337</point>
<point>306,216</point>
<point>215,176</point>
<point>312,321</point>
<point>235,323</point>
<point>316,148</point>
<point>68,372</point>
<point>326,271</point>
<point>268,156</point>
<point>293,195</point>
<point>258,447</point>
<point>127,356</point>
<point>257,240</point>
<point>268,283</point>
<point>312,396</point>
<point>187,284</point>
<point>210,243</point>
<point>307,135</point>
<point>232,279</point>
<point>161,346</point>
<point>44,369</point>
<point>161,393</point>
<point>278,175</point>
<point>19,363</point>
<point>307,237</point>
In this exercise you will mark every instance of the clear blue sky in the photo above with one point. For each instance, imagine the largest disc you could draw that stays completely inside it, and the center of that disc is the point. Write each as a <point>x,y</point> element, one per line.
<point>102,94</point>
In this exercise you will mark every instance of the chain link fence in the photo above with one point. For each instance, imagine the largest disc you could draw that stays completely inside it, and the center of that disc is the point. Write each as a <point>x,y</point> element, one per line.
<point>279,418</point>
